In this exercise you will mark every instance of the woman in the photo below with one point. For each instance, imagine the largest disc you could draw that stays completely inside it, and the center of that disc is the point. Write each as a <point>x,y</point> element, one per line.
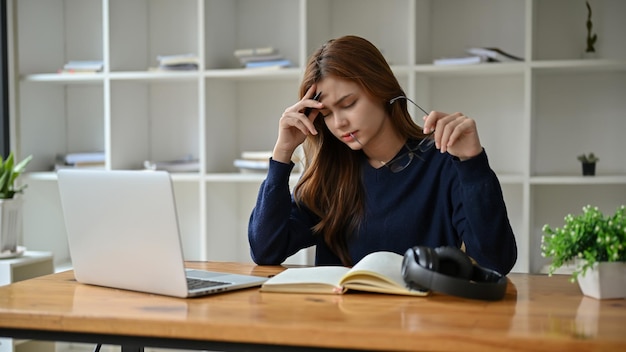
<point>373,179</point>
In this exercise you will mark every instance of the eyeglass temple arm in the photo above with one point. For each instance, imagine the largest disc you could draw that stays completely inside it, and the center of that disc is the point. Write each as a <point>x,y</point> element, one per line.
<point>403,97</point>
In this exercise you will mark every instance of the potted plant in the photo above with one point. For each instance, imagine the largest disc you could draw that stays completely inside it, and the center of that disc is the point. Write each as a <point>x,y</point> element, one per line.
<point>591,38</point>
<point>10,206</point>
<point>589,163</point>
<point>596,244</point>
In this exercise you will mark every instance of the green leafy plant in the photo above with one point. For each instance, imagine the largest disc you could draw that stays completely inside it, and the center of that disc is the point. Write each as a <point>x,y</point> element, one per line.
<point>590,236</point>
<point>589,158</point>
<point>591,39</point>
<point>9,172</point>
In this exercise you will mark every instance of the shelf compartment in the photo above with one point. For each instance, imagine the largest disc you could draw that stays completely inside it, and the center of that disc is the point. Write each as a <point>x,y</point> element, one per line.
<point>68,118</point>
<point>566,109</point>
<point>385,23</point>
<point>145,29</point>
<point>245,24</point>
<point>243,116</point>
<point>156,121</point>
<point>51,33</point>
<point>565,39</point>
<point>442,27</point>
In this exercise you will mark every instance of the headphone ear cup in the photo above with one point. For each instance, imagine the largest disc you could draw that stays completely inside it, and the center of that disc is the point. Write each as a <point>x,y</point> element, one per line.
<point>426,258</point>
<point>453,262</point>
<point>416,261</point>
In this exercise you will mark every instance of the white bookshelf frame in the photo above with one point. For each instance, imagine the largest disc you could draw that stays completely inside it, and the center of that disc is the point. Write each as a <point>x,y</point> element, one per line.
<point>222,110</point>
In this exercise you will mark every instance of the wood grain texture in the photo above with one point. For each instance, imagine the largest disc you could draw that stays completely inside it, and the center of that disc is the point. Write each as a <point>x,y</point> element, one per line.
<point>539,312</point>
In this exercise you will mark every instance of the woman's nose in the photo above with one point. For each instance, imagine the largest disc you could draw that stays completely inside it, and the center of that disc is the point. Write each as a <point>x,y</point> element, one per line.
<point>339,121</point>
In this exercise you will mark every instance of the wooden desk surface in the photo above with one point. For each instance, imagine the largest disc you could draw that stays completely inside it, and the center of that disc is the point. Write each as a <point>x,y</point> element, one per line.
<point>539,312</point>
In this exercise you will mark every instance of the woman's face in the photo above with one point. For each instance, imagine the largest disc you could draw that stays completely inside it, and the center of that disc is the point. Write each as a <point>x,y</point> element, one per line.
<point>351,114</point>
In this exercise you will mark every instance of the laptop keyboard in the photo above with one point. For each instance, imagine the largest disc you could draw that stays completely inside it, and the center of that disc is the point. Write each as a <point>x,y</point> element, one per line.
<point>194,284</point>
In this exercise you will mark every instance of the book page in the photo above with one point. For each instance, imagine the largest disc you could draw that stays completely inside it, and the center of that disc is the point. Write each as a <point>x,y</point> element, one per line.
<point>379,272</point>
<point>320,279</point>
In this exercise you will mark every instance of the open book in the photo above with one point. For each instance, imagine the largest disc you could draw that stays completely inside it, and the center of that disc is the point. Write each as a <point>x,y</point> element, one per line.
<point>377,272</point>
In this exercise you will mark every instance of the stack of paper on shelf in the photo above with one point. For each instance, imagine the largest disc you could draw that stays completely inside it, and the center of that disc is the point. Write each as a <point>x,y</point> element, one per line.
<point>80,160</point>
<point>259,161</point>
<point>267,57</point>
<point>479,55</point>
<point>465,60</point>
<point>82,66</point>
<point>181,62</point>
<point>186,164</point>
<point>253,161</point>
<point>494,54</point>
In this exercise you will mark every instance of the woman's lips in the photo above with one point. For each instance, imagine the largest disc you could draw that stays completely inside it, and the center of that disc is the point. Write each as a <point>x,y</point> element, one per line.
<point>348,137</point>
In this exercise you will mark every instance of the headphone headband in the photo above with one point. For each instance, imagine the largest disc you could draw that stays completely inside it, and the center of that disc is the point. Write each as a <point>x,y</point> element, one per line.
<point>420,270</point>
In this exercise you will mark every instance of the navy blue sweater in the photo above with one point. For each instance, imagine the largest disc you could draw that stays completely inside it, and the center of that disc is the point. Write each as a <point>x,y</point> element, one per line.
<point>436,201</point>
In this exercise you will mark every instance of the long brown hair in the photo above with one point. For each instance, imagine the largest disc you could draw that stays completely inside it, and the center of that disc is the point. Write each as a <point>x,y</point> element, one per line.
<point>331,185</point>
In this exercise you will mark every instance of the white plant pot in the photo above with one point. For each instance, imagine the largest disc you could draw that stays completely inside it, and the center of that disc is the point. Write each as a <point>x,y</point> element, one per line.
<point>590,55</point>
<point>605,280</point>
<point>10,224</point>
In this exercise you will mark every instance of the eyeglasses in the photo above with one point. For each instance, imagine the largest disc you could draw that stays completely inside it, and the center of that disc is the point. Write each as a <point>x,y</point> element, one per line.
<point>402,161</point>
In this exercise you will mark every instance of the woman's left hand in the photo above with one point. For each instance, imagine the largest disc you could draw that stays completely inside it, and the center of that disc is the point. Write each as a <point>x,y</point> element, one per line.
<point>454,133</point>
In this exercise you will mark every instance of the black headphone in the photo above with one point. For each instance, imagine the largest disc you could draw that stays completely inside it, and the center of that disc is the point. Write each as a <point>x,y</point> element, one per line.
<point>449,270</point>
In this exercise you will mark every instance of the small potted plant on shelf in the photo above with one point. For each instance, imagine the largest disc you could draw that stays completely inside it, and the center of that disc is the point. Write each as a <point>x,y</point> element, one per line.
<point>590,52</point>
<point>10,205</point>
<point>596,245</point>
<point>589,163</point>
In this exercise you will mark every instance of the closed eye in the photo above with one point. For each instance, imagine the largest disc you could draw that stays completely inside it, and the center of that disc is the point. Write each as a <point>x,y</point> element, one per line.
<point>349,102</point>
<point>350,105</point>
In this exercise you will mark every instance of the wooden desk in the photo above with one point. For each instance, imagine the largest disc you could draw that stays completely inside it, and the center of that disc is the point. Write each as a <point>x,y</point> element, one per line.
<point>539,312</point>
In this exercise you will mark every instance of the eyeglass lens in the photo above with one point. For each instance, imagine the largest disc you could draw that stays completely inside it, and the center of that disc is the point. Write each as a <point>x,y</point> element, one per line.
<point>400,163</point>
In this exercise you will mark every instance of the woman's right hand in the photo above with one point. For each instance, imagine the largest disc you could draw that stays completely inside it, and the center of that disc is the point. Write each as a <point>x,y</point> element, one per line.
<point>294,126</point>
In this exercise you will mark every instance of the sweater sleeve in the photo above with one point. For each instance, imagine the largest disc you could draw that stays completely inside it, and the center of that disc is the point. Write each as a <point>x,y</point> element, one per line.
<point>278,228</point>
<point>481,216</point>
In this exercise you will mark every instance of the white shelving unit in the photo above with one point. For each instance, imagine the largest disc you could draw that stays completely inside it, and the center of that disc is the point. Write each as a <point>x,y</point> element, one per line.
<point>26,266</point>
<point>534,117</point>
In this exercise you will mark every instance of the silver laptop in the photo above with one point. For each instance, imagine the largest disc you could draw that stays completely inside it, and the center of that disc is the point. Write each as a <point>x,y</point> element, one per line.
<point>122,230</point>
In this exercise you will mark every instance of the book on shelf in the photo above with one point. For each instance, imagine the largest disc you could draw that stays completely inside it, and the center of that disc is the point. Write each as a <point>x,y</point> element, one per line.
<point>83,157</point>
<point>266,57</point>
<point>92,160</point>
<point>180,165</point>
<point>245,165</point>
<point>262,155</point>
<point>259,58</point>
<point>253,161</point>
<point>479,55</point>
<point>82,66</point>
<point>81,165</point>
<point>180,62</point>
<point>379,272</point>
<point>262,51</point>
<point>465,60</point>
<point>268,64</point>
<point>494,54</point>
